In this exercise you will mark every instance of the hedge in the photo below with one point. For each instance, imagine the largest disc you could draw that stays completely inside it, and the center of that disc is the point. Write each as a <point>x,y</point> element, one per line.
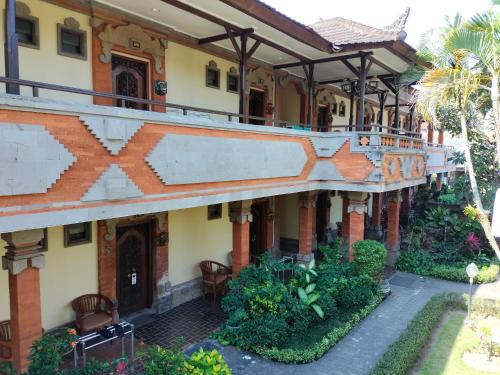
<point>402,354</point>
<point>318,349</point>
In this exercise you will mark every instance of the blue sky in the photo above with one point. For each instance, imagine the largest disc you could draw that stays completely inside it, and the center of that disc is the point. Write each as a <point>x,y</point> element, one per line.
<point>424,14</point>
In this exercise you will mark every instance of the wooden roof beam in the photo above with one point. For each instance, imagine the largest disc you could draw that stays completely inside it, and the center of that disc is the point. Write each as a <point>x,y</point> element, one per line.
<point>324,60</point>
<point>217,38</point>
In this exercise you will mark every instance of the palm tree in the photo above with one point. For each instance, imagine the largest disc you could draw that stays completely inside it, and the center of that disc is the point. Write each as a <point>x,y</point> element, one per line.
<point>454,80</point>
<point>481,37</point>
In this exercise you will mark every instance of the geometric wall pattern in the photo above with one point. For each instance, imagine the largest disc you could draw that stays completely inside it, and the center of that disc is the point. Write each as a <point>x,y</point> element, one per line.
<point>31,159</point>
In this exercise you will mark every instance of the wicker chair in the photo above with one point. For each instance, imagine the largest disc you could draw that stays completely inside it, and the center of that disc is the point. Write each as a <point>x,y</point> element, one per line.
<point>93,312</point>
<point>5,341</point>
<point>215,276</point>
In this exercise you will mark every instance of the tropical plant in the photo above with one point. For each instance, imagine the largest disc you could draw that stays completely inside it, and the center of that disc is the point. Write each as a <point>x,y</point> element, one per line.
<point>206,363</point>
<point>454,79</point>
<point>369,258</point>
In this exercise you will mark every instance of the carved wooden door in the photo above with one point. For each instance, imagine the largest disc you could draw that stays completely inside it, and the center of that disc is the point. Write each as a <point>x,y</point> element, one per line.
<point>132,278</point>
<point>130,79</point>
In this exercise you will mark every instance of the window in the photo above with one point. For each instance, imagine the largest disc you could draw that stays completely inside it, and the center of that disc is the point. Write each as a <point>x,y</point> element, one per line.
<point>334,108</point>
<point>233,81</point>
<point>215,211</point>
<point>71,41</point>
<point>342,109</point>
<point>212,75</point>
<point>26,27</point>
<point>77,234</point>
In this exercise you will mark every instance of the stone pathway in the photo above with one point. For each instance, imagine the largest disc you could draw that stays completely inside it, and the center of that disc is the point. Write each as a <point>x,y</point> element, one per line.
<point>360,350</point>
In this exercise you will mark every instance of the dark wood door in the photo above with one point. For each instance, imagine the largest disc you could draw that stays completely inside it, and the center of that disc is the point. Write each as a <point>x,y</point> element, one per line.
<point>322,119</point>
<point>257,231</point>
<point>133,265</point>
<point>130,79</point>
<point>321,217</point>
<point>256,106</point>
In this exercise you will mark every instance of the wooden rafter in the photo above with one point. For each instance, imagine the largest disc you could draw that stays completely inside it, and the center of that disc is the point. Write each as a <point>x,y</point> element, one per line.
<point>219,37</point>
<point>324,60</point>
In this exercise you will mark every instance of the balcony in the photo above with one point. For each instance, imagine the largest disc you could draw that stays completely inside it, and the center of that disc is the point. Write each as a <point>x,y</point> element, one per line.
<point>64,162</point>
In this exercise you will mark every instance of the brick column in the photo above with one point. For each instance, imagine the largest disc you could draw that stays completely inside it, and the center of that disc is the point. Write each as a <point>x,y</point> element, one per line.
<point>440,137</point>
<point>356,212</point>
<point>163,288</point>
<point>430,133</point>
<point>439,181</point>
<point>405,206</point>
<point>240,215</point>
<point>393,208</point>
<point>307,225</point>
<point>23,260</point>
<point>377,213</point>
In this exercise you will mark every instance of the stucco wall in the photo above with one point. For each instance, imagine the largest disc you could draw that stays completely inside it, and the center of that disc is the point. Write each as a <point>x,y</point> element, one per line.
<point>44,64</point>
<point>68,273</point>
<point>193,238</point>
<point>288,211</point>
<point>186,79</point>
<point>335,211</point>
<point>290,103</point>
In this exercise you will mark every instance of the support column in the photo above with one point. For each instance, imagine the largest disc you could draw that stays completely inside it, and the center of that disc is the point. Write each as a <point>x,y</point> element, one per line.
<point>356,212</point>
<point>439,181</point>
<point>11,50</point>
<point>23,260</point>
<point>362,88</point>
<point>310,94</point>
<point>307,225</point>
<point>430,133</point>
<point>351,105</point>
<point>440,137</point>
<point>240,215</point>
<point>377,214</point>
<point>393,207</point>
<point>405,206</point>
<point>243,76</point>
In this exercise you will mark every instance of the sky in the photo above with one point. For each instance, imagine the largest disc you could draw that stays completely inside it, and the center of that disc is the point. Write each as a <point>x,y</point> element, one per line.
<point>424,14</point>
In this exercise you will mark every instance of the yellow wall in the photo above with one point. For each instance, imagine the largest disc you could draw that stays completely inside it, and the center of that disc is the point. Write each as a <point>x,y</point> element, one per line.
<point>290,103</point>
<point>186,79</point>
<point>193,238</point>
<point>44,64</point>
<point>68,273</point>
<point>288,211</point>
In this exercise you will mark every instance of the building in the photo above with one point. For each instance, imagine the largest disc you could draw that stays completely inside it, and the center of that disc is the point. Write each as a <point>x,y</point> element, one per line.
<point>269,134</point>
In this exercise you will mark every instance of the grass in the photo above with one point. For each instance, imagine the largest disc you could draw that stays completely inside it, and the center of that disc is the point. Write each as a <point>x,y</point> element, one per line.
<point>445,355</point>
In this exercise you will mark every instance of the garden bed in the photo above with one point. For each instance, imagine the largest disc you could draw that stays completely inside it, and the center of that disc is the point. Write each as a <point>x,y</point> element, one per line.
<point>299,321</point>
<point>404,352</point>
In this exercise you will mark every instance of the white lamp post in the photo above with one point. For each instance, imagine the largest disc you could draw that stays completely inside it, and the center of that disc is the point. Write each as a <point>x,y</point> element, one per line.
<point>472,272</point>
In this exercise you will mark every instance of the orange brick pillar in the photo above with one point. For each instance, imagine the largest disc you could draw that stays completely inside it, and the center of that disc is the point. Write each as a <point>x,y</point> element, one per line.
<point>356,213</point>
<point>430,133</point>
<point>393,209</point>
<point>307,225</point>
<point>377,213</point>
<point>23,260</point>
<point>440,137</point>
<point>241,216</point>
<point>405,206</point>
<point>439,181</point>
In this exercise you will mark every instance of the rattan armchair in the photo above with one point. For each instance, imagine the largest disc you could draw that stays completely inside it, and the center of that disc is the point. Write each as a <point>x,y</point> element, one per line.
<point>215,276</point>
<point>93,312</point>
<point>5,341</point>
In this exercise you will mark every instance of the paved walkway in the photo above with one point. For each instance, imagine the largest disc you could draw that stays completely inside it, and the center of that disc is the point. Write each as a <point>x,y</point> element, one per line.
<point>360,350</point>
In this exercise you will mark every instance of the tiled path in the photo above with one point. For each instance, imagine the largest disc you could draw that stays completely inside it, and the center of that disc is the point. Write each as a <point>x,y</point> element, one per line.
<point>358,352</point>
<point>193,321</point>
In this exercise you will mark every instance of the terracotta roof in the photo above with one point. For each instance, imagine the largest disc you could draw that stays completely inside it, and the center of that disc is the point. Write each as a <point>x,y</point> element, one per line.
<point>341,31</point>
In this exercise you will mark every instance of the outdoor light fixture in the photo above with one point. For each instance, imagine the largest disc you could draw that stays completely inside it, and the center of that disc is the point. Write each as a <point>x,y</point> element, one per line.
<point>373,84</point>
<point>472,272</point>
<point>346,87</point>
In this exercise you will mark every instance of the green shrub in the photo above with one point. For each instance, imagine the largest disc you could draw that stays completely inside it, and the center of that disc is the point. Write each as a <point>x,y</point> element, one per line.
<point>319,348</point>
<point>206,363</point>
<point>369,258</point>
<point>162,361</point>
<point>262,310</point>
<point>358,292</point>
<point>400,357</point>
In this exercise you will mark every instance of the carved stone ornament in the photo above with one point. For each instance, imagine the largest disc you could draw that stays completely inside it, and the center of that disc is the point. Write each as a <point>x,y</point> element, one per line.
<point>110,229</point>
<point>133,38</point>
<point>284,80</point>
<point>394,196</point>
<point>240,212</point>
<point>22,9</point>
<point>71,23</point>
<point>358,207</point>
<point>308,199</point>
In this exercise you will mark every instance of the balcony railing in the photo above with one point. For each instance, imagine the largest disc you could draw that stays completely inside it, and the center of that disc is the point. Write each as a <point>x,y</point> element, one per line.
<point>391,139</point>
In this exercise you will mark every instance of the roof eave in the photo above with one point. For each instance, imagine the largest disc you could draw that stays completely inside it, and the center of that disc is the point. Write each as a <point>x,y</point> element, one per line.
<point>268,15</point>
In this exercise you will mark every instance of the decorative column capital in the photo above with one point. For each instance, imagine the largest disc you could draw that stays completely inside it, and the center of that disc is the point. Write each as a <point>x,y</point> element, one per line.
<point>23,250</point>
<point>240,211</point>
<point>394,196</point>
<point>308,199</point>
<point>357,202</point>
